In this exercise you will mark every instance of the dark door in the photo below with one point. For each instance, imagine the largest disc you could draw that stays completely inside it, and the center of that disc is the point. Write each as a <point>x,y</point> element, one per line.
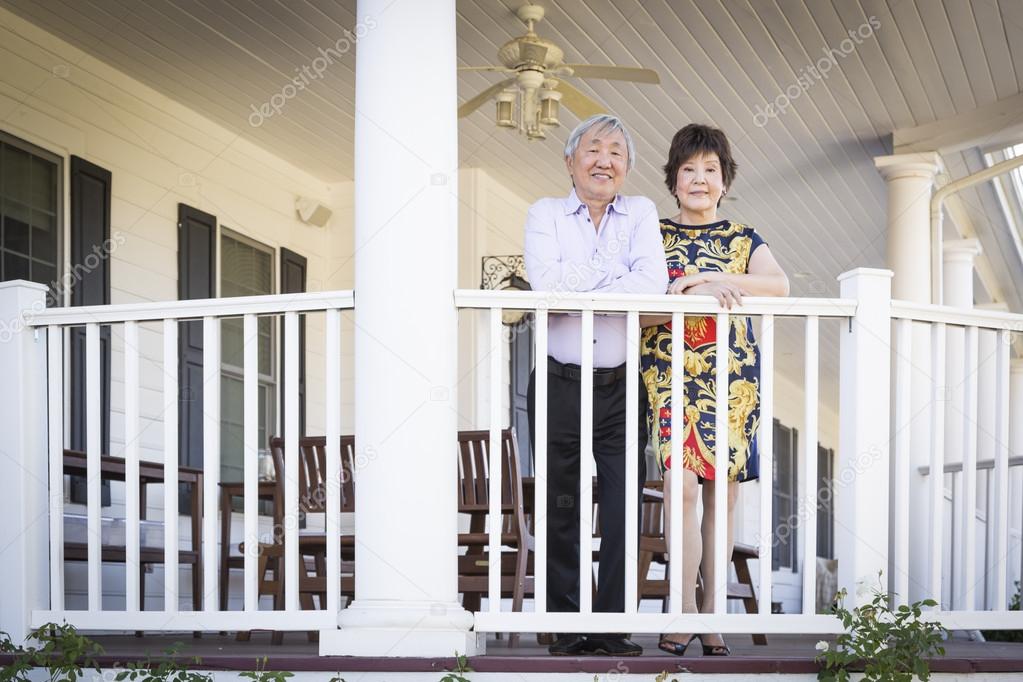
<point>521,364</point>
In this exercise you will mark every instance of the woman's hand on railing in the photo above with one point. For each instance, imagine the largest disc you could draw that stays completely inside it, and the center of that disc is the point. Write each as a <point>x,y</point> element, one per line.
<point>727,294</point>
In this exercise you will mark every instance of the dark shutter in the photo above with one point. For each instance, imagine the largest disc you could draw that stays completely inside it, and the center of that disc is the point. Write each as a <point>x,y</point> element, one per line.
<point>293,281</point>
<point>197,252</point>
<point>785,502</point>
<point>90,285</point>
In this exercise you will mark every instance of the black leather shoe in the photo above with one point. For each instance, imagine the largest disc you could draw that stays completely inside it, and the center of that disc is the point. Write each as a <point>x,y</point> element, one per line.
<point>568,645</point>
<point>612,646</point>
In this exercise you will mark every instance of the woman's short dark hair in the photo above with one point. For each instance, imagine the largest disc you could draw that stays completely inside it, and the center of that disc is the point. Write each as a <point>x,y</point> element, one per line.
<point>697,139</point>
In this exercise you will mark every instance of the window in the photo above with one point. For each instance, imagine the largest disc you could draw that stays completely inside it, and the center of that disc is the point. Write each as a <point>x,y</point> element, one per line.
<point>29,214</point>
<point>246,269</point>
<point>825,503</point>
<point>786,519</point>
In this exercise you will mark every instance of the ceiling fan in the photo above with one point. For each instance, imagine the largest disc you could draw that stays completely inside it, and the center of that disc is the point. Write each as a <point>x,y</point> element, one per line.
<point>537,84</point>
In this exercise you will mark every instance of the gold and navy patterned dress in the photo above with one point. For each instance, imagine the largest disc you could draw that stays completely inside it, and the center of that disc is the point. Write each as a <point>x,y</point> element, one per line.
<point>723,246</point>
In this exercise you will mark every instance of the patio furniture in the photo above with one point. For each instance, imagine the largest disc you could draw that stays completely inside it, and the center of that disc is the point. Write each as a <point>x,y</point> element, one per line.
<point>474,500</point>
<point>150,473</point>
<point>312,544</point>
<point>267,490</point>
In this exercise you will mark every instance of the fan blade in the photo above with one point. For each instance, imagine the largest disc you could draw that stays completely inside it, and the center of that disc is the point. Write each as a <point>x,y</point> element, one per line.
<point>578,103</point>
<point>534,53</point>
<point>498,69</point>
<point>615,73</point>
<point>477,101</point>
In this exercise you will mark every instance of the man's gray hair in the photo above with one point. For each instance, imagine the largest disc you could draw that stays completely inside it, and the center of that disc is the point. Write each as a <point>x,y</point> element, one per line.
<point>602,122</point>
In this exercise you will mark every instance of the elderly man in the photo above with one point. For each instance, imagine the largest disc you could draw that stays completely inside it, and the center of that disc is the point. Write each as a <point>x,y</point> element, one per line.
<point>598,240</point>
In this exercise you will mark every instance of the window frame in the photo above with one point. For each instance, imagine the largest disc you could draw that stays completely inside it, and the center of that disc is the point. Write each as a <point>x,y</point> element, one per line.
<point>56,296</point>
<point>235,372</point>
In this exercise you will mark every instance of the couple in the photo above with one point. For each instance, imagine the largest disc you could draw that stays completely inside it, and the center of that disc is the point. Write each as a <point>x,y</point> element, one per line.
<point>599,240</point>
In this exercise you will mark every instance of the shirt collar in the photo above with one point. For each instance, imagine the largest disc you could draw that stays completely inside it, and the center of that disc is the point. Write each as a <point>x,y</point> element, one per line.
<point>572,203</point>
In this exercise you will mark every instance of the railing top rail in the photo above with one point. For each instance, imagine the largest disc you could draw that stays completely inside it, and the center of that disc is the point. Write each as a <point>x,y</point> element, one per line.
<point>964,317</point>
<point>646,303</point>
<point>193,309</point>
<point>957,467</point>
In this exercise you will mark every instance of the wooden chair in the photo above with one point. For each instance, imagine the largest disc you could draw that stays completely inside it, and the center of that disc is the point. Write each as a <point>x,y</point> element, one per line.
<point>474,500</point>
<point>312,546</point>
<point>113,469</point>
<point>653,549</point>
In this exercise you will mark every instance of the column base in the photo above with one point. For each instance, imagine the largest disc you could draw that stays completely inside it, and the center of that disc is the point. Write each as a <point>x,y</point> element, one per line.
<point>403,629</point>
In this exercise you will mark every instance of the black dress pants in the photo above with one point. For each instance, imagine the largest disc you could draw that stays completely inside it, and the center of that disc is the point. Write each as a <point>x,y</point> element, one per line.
<point>609,434</point>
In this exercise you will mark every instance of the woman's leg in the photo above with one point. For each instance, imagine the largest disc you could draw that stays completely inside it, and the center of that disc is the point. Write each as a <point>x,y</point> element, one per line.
<point>707,564</point>
<point>691,542</point>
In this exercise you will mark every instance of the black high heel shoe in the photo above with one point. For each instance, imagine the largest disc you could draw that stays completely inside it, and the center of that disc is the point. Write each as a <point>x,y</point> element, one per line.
<point>675,648</point>
<point>713,649</point>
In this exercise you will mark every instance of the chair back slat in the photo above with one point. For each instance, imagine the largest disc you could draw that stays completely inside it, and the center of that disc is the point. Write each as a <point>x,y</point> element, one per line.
<point>312,472</point>
<point>474,471</point>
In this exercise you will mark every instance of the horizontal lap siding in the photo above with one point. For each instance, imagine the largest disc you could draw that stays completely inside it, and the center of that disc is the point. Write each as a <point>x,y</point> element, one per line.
<point>161,154</point>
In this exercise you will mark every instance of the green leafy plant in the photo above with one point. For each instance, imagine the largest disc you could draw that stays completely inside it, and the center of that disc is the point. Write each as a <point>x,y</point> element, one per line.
<point>261,674</point>
<point>461,666</point>
<point>62,651</point>
<point>1007,635</point>
<point>165,669</point>
<point>890,645</point>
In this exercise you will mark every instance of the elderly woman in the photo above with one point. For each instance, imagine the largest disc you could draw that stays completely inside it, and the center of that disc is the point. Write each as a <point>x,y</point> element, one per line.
<point>706,255</point>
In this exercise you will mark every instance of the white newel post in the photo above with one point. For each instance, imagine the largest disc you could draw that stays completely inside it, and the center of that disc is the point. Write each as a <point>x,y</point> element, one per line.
<point>406,234</point>
<point>861,536</point>
<point>24,533</point>
<point>909,179</point>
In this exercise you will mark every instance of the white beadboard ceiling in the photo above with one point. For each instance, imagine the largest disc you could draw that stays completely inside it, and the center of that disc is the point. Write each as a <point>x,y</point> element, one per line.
<point>806,178</point>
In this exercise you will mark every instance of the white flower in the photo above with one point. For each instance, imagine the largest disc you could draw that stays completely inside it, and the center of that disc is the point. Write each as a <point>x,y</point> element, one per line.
<point>882,646</point>
<point>822,646</point>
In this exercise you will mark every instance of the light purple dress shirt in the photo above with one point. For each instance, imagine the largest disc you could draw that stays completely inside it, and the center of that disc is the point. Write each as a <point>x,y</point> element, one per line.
<point>565,253</point>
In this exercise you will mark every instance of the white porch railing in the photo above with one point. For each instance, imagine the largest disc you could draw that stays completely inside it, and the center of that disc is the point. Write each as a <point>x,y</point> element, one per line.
<point>34,363</point>
<point>865,516</point>
<point>929,331</point>
<point>767,310</point>
<point>54,323</point>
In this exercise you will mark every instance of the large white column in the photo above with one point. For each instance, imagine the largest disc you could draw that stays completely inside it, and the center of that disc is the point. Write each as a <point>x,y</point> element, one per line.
<point>406,233</point>
<point>958,256</point>
<point>909,179</point>
<point>987,442</point>
<point>24,531</point>
<point>957,285</point>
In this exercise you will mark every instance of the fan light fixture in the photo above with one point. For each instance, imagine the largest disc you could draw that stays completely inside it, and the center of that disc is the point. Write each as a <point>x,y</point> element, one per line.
<point>535,87</point>
<point>550,104</point>
<point>506,109</point>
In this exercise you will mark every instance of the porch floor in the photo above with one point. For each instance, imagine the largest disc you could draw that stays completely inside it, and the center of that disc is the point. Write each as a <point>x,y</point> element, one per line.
<point>783,654</point>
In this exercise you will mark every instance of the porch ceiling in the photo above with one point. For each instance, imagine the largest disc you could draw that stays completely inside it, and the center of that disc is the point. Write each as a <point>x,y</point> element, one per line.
<point>806,177</point>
